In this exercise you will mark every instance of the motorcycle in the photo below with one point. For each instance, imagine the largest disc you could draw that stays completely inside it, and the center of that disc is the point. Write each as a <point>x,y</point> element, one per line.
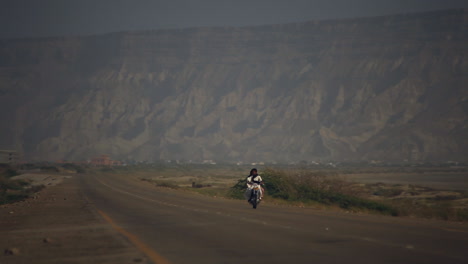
<point>255,194</point>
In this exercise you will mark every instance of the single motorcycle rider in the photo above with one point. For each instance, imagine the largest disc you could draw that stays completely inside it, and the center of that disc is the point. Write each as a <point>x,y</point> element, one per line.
<point>255,178</point>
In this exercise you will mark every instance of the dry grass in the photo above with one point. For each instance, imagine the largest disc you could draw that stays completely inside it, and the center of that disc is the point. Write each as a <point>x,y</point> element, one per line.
<point>419,201</point>
<point>304,187</point>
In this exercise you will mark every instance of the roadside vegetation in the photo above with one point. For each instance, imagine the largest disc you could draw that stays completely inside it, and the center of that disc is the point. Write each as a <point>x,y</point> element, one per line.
<point>299,186</point>
<point>315,187</point>
<point>424,202</point>
<point>14,190</point>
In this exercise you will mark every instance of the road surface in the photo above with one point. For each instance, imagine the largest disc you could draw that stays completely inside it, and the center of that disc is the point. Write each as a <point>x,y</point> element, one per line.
<point>172,226</point>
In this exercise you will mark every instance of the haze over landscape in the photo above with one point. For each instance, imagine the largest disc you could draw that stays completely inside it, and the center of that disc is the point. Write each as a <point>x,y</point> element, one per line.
<point>128,128</point>
<point>30,18</point>
<point>390,88</point>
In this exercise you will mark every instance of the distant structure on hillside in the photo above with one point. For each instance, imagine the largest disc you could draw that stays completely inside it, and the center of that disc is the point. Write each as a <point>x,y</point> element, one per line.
<point>8,157</point>
<point>104,160</point>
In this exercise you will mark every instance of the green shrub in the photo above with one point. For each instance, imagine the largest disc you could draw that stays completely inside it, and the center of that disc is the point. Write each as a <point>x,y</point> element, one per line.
<point>6,198</point>
<point>388,192</point>
<point>15,190</point>
<point>428,208</point>
<point>9,184</point>
<point>48,168</point>
<point>30,166</point>
<point>315,186</point>
<point>10,173</point>
<point>165,184</point>
<point>237,191</point>
<point>7,171</point>
<point>278,184</point>
<point>462,215</point>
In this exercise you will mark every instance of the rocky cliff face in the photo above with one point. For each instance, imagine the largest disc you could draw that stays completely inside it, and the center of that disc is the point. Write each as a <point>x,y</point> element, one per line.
<point>386,88</point>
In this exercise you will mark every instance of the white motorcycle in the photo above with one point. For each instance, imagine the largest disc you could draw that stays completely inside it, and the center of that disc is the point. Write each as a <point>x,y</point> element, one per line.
<point>253,194</point>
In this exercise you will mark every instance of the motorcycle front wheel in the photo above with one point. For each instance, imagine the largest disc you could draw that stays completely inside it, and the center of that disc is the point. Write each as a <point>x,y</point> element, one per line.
<point>254,201</point>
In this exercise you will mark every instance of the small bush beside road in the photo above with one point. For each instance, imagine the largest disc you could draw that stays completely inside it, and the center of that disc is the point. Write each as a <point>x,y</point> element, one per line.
<point>303,186</point>
<point>14,190</point>
<point>310,186</point>
<point>320,188</point>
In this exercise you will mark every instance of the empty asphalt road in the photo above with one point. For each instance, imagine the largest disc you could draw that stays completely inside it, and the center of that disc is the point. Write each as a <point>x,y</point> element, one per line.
<point>177,227</point>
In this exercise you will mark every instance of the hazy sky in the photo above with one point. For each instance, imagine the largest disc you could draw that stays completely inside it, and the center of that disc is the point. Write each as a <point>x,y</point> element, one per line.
<point>32,18</point>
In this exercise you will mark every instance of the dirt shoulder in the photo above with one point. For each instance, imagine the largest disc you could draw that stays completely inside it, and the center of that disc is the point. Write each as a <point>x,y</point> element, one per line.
<point>58,225</point>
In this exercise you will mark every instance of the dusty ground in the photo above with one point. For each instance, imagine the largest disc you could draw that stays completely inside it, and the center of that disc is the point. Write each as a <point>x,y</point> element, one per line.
<point>436,180</point>
<point>58,225</point>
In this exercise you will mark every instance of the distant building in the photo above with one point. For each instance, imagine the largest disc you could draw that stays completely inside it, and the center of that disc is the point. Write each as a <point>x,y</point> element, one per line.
<point>8,157</point>
<point>104,160</point>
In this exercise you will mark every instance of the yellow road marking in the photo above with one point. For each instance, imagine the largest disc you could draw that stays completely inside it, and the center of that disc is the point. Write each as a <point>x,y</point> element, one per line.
<point>251,220</point>
<point>155,257</point>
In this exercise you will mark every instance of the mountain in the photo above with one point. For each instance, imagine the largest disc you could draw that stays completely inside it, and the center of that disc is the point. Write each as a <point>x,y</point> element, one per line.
<point>389,88</point>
